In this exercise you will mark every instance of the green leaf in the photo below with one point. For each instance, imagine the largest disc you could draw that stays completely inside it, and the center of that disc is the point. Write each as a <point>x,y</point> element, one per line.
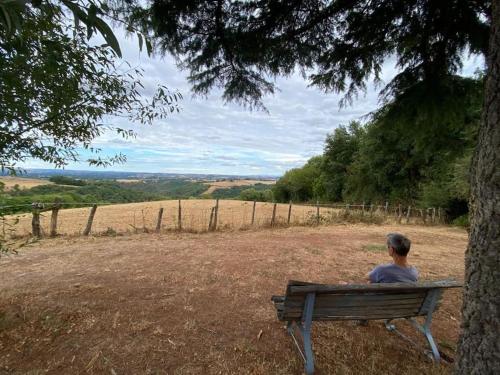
<point>7,18</point>
<point>139,36</point>
<point>77,10</point>
<point>108,35</point>
<point>149,46</point>
<point>92,14</point>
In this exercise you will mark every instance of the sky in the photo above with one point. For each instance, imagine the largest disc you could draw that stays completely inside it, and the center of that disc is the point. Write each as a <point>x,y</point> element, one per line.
<point>212,137</point>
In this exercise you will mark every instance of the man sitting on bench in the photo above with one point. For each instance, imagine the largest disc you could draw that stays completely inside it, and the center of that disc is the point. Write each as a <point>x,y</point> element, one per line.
<point>398,271</point>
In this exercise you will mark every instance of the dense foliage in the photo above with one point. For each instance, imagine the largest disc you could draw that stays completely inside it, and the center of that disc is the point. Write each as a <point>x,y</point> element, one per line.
<point>257,192</point>
<point>174,188</point>
<point>65,180</point>
<point>298,184</point>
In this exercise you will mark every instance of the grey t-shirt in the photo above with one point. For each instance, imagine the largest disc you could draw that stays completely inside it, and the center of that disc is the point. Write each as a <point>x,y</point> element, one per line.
<point>392,273</point>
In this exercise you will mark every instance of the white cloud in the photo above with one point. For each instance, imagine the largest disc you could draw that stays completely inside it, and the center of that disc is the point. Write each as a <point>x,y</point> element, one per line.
<point>208,136</point>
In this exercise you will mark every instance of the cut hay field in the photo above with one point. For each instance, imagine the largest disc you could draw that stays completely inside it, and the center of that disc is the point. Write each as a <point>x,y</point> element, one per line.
<point>233,214</point>
<point>226,184</point>
<point>183,303</point>
<point>24,183</point>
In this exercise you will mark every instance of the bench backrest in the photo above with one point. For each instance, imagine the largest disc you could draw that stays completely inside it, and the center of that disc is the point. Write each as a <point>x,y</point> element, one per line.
<point>372,301</point>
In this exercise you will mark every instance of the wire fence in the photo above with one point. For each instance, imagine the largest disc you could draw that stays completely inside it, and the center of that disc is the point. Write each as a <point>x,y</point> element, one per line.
<point>197,216</point>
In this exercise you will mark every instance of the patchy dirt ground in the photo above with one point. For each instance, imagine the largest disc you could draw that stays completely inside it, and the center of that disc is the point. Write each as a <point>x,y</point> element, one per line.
<point>196,303</point>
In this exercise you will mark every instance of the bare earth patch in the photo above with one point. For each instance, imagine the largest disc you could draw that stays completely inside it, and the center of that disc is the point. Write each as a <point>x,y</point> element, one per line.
<point>196,303</point>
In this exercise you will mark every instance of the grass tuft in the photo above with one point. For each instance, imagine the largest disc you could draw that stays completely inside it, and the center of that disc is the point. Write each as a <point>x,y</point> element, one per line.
<point>374,247</point>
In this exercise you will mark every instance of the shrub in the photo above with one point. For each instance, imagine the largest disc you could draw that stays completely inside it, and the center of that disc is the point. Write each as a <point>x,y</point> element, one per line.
<point>462,221</point>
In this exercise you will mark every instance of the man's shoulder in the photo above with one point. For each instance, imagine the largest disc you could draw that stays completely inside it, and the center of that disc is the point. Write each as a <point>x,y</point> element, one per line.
<point>383,266</point>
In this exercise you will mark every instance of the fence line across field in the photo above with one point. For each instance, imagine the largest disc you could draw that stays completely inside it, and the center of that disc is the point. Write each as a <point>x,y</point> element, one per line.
<point>183,215</point>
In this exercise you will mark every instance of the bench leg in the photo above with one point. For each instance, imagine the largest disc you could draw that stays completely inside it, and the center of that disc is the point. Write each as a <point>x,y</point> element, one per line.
<point>432,344</point>
<point>304,328</point>
<point>426,331</point>
<point>426,328</point>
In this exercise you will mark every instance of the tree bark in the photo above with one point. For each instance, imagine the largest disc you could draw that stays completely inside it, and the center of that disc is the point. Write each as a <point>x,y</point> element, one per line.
<point>479,344</point>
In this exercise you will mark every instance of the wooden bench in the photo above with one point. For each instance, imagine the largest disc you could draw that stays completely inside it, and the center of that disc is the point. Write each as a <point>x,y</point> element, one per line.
<point>304,303</point>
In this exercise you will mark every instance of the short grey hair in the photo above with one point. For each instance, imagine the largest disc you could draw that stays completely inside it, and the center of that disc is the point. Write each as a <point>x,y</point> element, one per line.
<point>399,243</point>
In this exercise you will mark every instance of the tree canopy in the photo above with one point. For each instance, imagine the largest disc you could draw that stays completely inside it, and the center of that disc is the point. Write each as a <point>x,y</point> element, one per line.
<point>240,46</point>
<point>58,87</point>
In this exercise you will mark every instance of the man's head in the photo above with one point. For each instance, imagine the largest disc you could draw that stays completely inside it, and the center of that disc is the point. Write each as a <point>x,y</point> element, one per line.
<point>398,244</point>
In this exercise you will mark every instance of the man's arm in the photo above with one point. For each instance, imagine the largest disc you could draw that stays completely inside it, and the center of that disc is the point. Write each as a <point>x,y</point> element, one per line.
<point>372,276</point>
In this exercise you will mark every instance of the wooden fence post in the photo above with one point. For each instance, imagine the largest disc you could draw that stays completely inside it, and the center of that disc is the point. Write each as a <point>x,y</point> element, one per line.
<point>371,209</point>
<point>53,218</point>
<point>408,215</point>
<point>439,215</point>
<point>179,216</point>
<point>289,212</point>
<point>317,213</point>
<point>253,212</point>
<point>274,215</point>
<point>210,223</point>
<point>88,228</point>
<point>433,215</point>
<point>35,221</point>
<point>363,209</point>
<point>158,222</point>
<point>143,222</point>
<point>347,208</point>
<point>216,213</point>
<point>386,207</point>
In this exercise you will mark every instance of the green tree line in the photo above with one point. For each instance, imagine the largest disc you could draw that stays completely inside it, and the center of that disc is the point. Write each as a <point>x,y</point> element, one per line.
<point>258,192</point>
<point>387,160</point>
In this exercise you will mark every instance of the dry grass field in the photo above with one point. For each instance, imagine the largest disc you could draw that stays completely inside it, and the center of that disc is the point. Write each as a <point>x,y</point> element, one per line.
<point>183,303</point>
<point>24,183</point>
<point>132,217</point>
<point>214,185</point>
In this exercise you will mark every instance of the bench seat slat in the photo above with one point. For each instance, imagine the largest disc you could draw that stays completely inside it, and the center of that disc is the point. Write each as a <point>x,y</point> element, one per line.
<point>357,300</point>
<point>362,310</point>
<point>360,317</point>
<point>338,311</point>
<point>367,288</point>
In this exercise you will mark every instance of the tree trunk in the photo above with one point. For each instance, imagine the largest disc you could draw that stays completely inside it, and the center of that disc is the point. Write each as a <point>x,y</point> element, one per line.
<point>479,345</point>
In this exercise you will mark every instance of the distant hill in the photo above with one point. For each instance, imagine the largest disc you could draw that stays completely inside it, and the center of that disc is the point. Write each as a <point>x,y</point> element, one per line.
<point>45,173</point>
